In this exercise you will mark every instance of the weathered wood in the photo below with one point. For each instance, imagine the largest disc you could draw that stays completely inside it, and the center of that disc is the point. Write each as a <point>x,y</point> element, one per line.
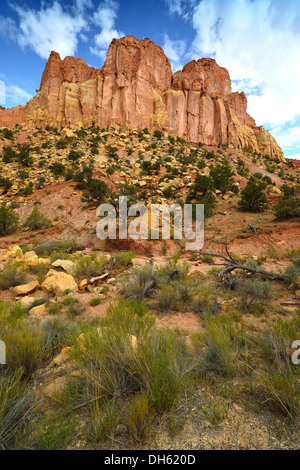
<point>231,264</point>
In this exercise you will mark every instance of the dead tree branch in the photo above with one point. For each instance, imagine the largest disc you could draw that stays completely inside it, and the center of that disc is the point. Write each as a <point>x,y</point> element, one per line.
<point>231,265</point>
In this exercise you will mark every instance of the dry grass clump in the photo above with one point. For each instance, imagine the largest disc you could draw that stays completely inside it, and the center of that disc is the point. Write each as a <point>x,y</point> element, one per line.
<point>128,357</point>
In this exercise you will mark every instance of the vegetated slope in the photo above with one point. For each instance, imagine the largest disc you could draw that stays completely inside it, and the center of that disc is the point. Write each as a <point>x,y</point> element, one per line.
<point>122,353</point>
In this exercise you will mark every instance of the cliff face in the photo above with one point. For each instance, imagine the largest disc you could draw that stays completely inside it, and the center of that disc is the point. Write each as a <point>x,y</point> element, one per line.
<point>136,87</point>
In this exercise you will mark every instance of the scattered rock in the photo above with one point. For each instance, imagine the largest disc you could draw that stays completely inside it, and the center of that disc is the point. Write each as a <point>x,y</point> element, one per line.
<point>59,283</point>
<point>26,289</point>
<point>39,311</point>
<point>67,265</point>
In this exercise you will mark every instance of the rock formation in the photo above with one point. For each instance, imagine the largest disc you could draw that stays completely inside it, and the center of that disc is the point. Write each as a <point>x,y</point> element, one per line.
<point>136,88</point>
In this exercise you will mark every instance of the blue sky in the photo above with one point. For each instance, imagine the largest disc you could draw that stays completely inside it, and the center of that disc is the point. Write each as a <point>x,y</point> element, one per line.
<point>258,41</point>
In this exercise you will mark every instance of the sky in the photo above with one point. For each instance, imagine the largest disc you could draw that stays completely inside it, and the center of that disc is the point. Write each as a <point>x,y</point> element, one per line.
<point>258,41</point>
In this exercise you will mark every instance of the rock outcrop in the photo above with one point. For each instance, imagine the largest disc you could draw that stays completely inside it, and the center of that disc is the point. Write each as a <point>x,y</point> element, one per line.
<point>136,88</point>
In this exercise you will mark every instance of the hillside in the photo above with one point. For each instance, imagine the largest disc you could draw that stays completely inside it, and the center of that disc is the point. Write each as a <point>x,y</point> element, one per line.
<point>107,350</point>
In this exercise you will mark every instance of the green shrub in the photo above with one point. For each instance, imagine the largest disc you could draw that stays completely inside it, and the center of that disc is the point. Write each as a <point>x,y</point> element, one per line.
<point>88,267</point>
<point>9,221</point>
<point>8,133</point>
<point>74,156</point>
<point>57,168</point>
<point>16,404</point>
<point>139,417</point>
<point>95,302</point>
<point>96,192</point>
<point>252,197</point>
<point>221,176</point>
<point>140,283</point>
<point>253,292</point>
<point>12,276</point>
<point>224,343</point>
<point>291,273</point>
<point>37,221</point>
<point>5,183</point>
<point>61,144</point>
<point>288,205</point>
<point>124,258</point>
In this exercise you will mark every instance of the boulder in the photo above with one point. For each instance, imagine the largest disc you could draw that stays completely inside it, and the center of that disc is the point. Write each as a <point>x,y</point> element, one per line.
<point>39,311</point>
<point>66,265</point>
<point>30,259</point>
<point>26,289</point>
<point>59,283</point>
<point>68,136</point>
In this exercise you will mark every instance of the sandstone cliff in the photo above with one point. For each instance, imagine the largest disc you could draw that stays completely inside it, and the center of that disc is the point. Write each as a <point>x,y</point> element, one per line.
<point>136,88</point>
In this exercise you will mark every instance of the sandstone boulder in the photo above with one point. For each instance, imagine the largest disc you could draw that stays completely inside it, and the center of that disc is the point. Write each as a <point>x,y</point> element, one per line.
<point>38,311</point>
<point>59,283</point>
<point>26,289</point>
<point>66,265</point>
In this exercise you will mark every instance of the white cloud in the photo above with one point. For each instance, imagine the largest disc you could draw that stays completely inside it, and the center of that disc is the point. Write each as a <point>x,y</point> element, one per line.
<point>289,139</point>
<point>256,40</point>
<point>175,6</point>
<point>183,8</point>
<point>105,17</point>
<point>174,50</point>
<point>17,95</point>
<point>8,28</point>
<point>50,28</point>
<point>81,5</point>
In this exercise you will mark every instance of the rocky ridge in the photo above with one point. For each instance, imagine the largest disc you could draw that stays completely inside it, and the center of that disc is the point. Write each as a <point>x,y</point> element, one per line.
<point>136,89</point>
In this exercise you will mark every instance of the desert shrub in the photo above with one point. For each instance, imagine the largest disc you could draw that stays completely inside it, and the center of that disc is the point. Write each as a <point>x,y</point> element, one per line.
<point>37,221</point>
<point>221,176</point>
<point>94,150</point>
<point>253,198</point>
<point>104,421</point>
<point>224,342</point>
<point>139,417</point>
<point>88,267</point>
<point>292,272</point>
<point>60,248</point>
<point>5,183</point>
<point>9,155</point>
<point>16,404</point>
<point>254,292</point>
<point>96,192</point>
<point>128,356</point>
<point>278,378</point>
<point>173,270</point>
<point>140,283</point>
<point>9,220</point>
<point>158,134</point>
<point>54,308</point>
<point>24,158</point>
<point>288,205</point>
<point>124,258</point>
<point>95,302</point>
<point>8,133</point>
<point>74,156</point>
<point>283,390</point>
<point>61,144</point>
<point>40,182</point>
<point>75,308</point>
<point>205,301</point>
<point>168,298</point>
<point>57,168</point>
<point>54,431</point>
<point>25,344</point>
<point>12,276</point>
